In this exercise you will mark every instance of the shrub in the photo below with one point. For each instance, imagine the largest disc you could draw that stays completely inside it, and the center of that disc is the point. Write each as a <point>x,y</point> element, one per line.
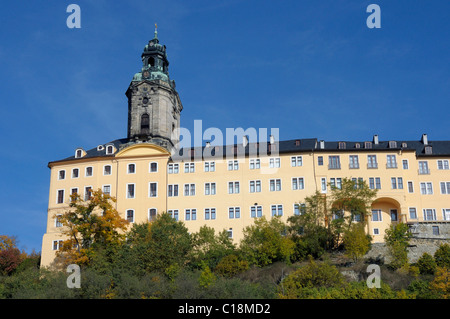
<point>442,256</point>
<point>230,266</point>
<point>426,264</point>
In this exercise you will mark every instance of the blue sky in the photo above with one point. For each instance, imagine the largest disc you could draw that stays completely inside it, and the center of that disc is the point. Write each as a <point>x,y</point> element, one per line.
<point>309,68</point>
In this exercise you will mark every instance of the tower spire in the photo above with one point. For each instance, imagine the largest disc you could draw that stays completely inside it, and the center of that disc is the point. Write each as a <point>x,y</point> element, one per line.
<point>156,31</point>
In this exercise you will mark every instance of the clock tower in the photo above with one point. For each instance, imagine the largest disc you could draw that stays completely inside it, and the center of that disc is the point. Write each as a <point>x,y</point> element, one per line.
<point>154,105</point>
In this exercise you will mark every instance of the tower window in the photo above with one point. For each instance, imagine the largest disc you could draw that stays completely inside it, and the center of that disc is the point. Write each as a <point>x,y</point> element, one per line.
<point>151,61</point>
<point>145,123</point>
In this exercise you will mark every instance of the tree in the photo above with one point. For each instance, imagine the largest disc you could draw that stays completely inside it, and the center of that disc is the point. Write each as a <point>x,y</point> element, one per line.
<point>7,242</point>
<point>426,264</point>
<point>209,247</point>
<point>264,242</point>
<point>91,225</point>
<point>161,244</point>
<point>353,197</point>
<point>356,241</point>
<point>442,256</point>
<point>397,240</point>
<point>10,259</point>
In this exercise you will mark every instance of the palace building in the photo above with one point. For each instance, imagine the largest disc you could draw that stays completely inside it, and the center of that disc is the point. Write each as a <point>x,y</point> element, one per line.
<point>227,187</point>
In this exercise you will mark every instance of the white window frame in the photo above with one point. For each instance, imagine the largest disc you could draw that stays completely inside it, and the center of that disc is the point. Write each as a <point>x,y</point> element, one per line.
<point>103,189</point>
<point>128,168</point>
<point>86,171</point>
<point>126,214</point>
<point>427,189</point>
<point>212,188</point>
<point>189,167</point>
<point>235,187</point>
<point>444,164</point>
<point>446,213</point>
<point>149,210</point>
<point>75,168</point>
<point>134,191</point>
<point>233,165</point>
<point>57,196</point>
<point>209,166</point>
<point>104,170</point>
<point>59,174</point>
<point>426,211</point>
<point>274,162</point>
<point>255,207</point>
<point>191,188</point>
<point>276,182</point>
<point>150,167</point>
<point>379,213</point>
<point>255,162</point>
<point>446,189</point>
<point>150,189</point>
<point>415,212</point>
<point>172,167</point>
<point>278,209</point>
<point>296,161</point>
<point>173,190</point>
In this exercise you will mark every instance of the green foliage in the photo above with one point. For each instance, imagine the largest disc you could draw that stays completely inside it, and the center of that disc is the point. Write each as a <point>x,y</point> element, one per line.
<point>426,264</point>
<point>265,242</point>
<point>397,238</point>
<point>209,247</point>
<point>356,242</point>
<point>442,256</point>
<point>230,266</point>
<point>207,278</point>
<point>307,279</point>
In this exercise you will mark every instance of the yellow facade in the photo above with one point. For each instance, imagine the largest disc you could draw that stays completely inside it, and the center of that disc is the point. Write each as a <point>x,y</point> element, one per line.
<point>144,178</point>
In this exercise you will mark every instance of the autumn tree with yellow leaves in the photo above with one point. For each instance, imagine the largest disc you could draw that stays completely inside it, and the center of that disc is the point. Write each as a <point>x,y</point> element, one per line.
<point>89,226</point>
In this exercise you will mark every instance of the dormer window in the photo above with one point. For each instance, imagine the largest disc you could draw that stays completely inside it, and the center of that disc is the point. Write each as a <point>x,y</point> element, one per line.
<point>100,148</point>
<point>109,149</point>
<point>392,144</point>
<point>342,145</point>
<point>428,150</point>
<point>79,153</point>
<point>367,144</point>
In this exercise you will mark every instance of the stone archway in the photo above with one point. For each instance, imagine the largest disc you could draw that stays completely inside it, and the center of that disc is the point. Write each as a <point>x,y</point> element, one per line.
<point>385,211</point>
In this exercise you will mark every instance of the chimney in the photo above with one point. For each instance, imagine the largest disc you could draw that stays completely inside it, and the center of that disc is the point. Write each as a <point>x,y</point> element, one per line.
<point>425,139</point>
<point>375,139</point>
<point>245,140</point>
<point>272,139</point>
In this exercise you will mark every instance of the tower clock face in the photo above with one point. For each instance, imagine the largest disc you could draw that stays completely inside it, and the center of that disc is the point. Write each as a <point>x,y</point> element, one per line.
<point>146,74</point>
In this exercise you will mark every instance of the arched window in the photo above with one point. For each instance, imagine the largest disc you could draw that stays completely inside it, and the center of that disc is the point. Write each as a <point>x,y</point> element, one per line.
<point>145,124</point>
<point>151,61</point>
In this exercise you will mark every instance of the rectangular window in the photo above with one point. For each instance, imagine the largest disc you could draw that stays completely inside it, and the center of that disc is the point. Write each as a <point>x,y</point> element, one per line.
<point>298,183</point>
<point>57,244</point>
<point>296,161</point>
<point>107,170</point>
<point>334,162</point>
<point>429,214</point>
<point>190,214</point>
<point>58,221</point>
<point>107,189</point>
<point>88,171</point>
<point>255,186</point>
<point>75,173</point>
<point>445,188</point>
<point>442,164</point>
<point>189,167</point>
<point>277,210</point>
<point>189,189</point>
<point>153,189</point>
<point>376,215</point>
<point>153,167</point>
<point>255,163</point>
<point>435,230</point>
<point>320,160</point>
<point>353,161</point>
<point>131,168</point>
<point>394,215</point>
<point>233,187</point>
<point>234,212</point>
<point>274,162</point>
<point>423,168</point>
<point>446,213</point>
<point>60,198</point>
<point>275,185</point>
<point>87,193</point>
<point>130,190</point>
<point>405,164</point>
<point>151,214</point>
<point>233,165</point>
<point>173,213</point>
<point>410,187</point>
<point>130,215</point>
<point>412,213</point>
<point>376,231</point>
<point>372,161</point>
<point>323,182</point>
<point>397,183</point>
<point>173,168</point>
<point>426,188</point>
<point>210,213</point>
<point>391,162</point>
<point>172,190</point>
<point>210,166</point>
<point>256,211</point>
<point>210,188</point>
<point>62,174</point>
